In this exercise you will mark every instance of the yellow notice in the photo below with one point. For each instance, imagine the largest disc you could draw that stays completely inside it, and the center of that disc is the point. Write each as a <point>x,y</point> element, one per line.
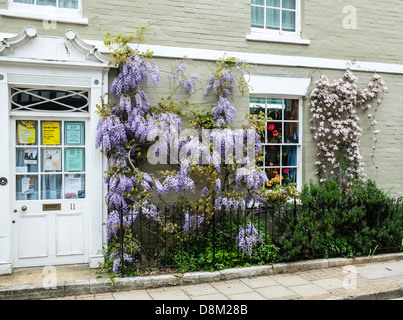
<point>51,133</point>
<point>26,132</point>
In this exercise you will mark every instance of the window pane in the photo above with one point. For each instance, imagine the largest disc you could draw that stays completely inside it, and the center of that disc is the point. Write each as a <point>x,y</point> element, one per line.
<point>289,156</point>
<point>46,3</point>
<point>257,105</point>
<point>273,19</point>
<point>291,132</point>
<point>275,109</point>
<point>51,159</point>
<point>289,176</point>
<point>272,156</point>
<point>273,3</point>
<point>74,134</point>
<point>51,187</point>
<point>25,1</point>
<point>74,160</point>
<point>291,111</point>
<point>51,133</point>
<point>258,2</point>
<point>27,188</point>
<point>74,186</point>
<point>274,177</point>
<point>26,160</point>
<point>257,17</point>
<point>71,4</point>
<point>289,4</point>
<point>288,20</point>
<point>27,132</point>
<point>274,132</point>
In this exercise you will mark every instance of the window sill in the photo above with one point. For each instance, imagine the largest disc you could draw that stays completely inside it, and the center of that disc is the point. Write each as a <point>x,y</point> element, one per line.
<point>277,39</point>
<point>75,19</point>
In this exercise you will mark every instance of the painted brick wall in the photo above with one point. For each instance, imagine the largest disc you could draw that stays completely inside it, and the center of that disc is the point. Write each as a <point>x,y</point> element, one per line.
<point>223,25</point>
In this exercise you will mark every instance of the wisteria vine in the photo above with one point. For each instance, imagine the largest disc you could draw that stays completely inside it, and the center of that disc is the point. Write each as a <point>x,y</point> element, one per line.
<point>130,129</point>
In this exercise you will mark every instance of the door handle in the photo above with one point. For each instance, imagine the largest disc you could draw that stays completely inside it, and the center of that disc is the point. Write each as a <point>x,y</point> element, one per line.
<point>24,208</point>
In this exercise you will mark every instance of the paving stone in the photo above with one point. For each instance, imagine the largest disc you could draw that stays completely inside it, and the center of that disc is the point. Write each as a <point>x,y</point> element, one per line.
<point>329,284</point>
<point>232,287</point>
<point>308,290</point>
<point>276,292</point>
<point>167,294</point>
<point>246,296</point>
<point>132,295</point>
<point>199,289</point>
<point>259,282</point>
<point>104,296</point>
<point>210,297</point>
<point>292,280</point>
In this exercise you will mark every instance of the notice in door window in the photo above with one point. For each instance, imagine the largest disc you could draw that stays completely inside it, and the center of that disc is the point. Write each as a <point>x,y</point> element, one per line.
<point>26,132</point>
<point>31,156</point>
<point>74,133</point>
<point>51,133</point>
<point>74,160</point>
<point>73,186</point>
<point>28,185</point>
<point>52,160</point>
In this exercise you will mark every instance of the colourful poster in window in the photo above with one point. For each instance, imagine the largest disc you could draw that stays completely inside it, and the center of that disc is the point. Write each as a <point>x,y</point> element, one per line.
<point>72,186</point>
<point>28,185</point>
<point>52,160</point>
<point>51,133</point>
<point>74,159</point>
<point>74,133</point>
<point>26,132</point>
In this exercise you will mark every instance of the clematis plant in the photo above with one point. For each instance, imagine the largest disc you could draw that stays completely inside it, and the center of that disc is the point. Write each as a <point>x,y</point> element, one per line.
<point>335,108</point>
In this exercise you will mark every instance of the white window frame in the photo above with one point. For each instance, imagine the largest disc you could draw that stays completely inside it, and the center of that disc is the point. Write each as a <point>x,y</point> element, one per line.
<point>300,136</point>
<point>270,35</point>
<point>47,14</point>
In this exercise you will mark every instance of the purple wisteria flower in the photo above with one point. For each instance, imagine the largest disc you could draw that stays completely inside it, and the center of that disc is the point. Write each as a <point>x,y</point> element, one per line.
<point>110,133</point>
<point>192,222</point>
<point>247,238</point>
<point>134,74</point>
<point>229,204</point>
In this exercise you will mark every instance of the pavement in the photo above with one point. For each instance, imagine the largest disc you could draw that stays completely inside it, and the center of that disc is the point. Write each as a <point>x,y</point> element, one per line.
<point>367,278</point>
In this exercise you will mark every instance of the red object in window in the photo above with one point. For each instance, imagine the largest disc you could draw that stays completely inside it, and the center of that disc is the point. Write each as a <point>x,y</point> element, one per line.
<point>275,133</point>
<point>286,171</point>
<point>271,127</point>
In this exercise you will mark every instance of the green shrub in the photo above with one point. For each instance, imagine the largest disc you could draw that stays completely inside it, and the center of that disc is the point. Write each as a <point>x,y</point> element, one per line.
<point>332,221</point>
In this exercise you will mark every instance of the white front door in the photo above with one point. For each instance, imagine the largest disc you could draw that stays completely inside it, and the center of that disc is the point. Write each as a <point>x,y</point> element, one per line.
<point>50,203</point>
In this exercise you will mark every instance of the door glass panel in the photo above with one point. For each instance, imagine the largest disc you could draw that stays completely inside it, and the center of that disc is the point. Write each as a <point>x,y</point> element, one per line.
<point>51,185</point>
<point>74,160</point>
<point>74,133</point>
<point>74,186</point>
<point>50,160</point>
<point>27,133</point>
<point>51,133</point>
<point>26,160</point>
<point>27,187</point>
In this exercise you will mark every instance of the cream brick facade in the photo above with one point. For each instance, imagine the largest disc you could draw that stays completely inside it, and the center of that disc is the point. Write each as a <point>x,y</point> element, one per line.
<point>218,27</point>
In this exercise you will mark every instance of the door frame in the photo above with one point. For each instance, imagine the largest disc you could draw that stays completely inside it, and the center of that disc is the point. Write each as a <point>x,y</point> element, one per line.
<point>93,78</point>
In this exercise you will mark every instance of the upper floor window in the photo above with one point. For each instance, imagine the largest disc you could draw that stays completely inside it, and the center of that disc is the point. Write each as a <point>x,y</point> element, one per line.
<point>67,4</point>
<point>278,15</point>
<point>48,11</point>
<point>276,21</point>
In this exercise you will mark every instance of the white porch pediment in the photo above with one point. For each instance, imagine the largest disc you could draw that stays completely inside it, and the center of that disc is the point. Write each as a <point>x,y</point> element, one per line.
<point>29,47</point>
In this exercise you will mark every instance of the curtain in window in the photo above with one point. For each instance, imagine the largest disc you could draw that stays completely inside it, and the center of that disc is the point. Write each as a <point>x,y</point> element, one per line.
<point>25,1</point>
<point>46,3</point>
<point>70,4</point>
